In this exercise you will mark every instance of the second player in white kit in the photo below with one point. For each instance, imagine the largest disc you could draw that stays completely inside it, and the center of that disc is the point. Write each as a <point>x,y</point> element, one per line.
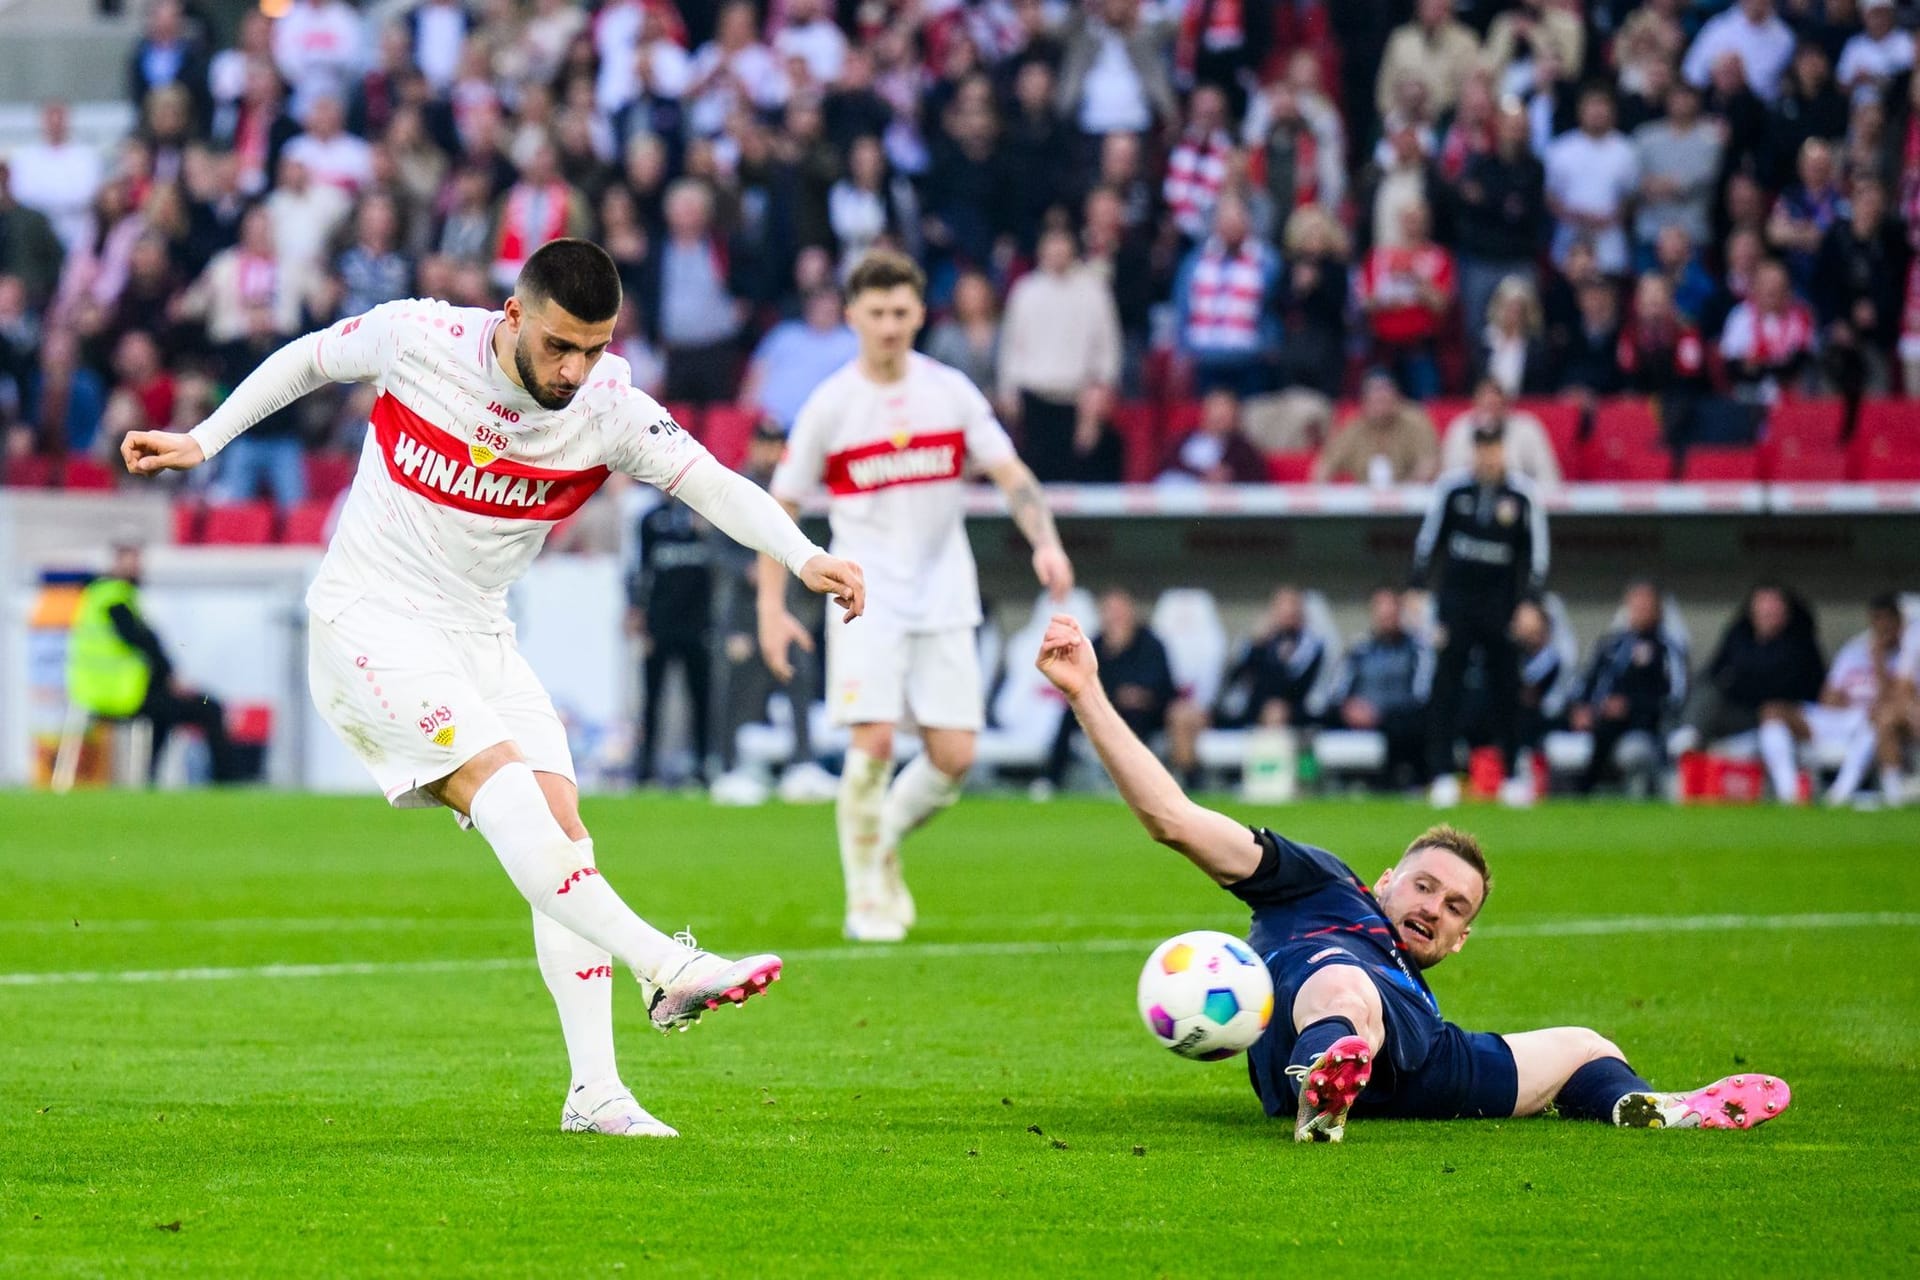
<point>489,428</point>
<point>894,438</point>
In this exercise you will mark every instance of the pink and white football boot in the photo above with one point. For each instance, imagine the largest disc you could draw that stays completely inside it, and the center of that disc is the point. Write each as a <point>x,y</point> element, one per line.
<point>1736,1102</point>
<point>701,981</point>
<point>1328,1086</point>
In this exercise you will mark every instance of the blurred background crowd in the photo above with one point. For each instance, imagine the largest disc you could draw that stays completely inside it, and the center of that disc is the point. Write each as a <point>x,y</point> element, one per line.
<point>1230,212</point>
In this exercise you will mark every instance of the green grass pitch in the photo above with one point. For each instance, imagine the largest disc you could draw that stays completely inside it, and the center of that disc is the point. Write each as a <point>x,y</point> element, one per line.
<point>979,1101</point>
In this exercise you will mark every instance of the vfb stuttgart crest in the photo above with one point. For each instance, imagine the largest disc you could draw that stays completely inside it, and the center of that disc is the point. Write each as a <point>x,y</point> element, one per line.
<point>486,445</point>
<point>437,726</point>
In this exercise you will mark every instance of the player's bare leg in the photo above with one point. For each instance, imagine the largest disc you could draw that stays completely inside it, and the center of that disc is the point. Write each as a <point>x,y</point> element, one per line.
<point>1585,1077</point>
<point>1340,1029</point>
<point>508,806</point>
<point>928,783</point>
<point>858,815</point>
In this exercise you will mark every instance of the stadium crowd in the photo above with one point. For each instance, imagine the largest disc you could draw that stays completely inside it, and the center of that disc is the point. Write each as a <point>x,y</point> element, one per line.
<point>1262,206</point>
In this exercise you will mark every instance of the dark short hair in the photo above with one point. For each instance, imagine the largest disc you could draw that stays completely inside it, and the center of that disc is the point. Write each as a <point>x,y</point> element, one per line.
<point>885,269</point>
<point>1885,602</point>
<point>1462,846</point>
<point>575,275</point>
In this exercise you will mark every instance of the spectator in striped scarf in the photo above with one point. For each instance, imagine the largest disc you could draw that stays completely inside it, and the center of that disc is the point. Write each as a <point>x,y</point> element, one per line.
<point>1223,296</point>
<point>1769,338</point>
<point>1197,168</point>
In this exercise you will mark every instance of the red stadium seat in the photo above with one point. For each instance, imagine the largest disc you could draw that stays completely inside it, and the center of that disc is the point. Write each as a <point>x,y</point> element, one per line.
<point>306,524</point>
<point>1814,422</point>
<point>1634,419</point>
<point>1179,420</point>
<point>728,431</point>
<point>1137,423</point>
<point>1718,464</point>
<point>1290,468</point>
<point>1792,460</point>
<point>186,522</point>
<point>88,474</point>
<point>239,523</point>
<point>1616,458</point>
<point>1442,411</point>
<point>1562,423</point>
<point>30,472</point>
<point>1886,442</point>
<point>329,473</point>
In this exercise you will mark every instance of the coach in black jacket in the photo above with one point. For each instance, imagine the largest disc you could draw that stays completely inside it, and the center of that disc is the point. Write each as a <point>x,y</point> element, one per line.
<point>1484,543</point>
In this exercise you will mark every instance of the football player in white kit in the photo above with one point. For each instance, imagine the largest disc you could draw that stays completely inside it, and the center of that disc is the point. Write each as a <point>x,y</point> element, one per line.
<point>1858,712</point>
<point>891,437</point>
<point>489,428</point>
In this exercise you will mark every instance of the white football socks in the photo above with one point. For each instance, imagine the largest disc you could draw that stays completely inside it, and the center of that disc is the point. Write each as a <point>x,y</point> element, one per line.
<point>1776,748</point>
<point>918,792</point>
<point>1853,769</point>
<point>511,811</point>
<point>579,976</point>
<point>857,815</point>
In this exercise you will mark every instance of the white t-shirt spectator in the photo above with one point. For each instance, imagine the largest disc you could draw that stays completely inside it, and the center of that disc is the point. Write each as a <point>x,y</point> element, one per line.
<point>303,223</point>
<point>819,43</point>
<point>755,70</point>
<point>1764,48</point>
<point>320,47</point>
<point>1112,99</point>
<point>61,182</point>
<point>616,36</point>
<point>1874,62</point>
<point>1595,176</point>
<point>440,28</point>
<point>344,160</point>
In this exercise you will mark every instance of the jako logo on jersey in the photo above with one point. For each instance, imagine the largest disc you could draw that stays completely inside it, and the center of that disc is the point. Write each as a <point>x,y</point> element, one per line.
<point>901,460</point>
<point>598,971</point>
<point>440,467</point>
<point>567,884</point>
<point>499,410</point>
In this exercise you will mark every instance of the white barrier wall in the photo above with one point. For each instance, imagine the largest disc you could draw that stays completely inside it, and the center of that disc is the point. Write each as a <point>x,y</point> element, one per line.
<point>233,623</point>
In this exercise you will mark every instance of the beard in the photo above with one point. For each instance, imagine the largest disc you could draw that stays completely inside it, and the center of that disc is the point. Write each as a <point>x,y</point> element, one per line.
<point>543,395</point>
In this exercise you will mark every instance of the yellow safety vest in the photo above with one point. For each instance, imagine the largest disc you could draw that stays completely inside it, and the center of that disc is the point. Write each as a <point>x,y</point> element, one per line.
<point>105,674</point>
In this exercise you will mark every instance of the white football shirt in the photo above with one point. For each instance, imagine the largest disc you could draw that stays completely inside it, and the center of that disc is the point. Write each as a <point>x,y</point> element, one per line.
<point>1852,673</point>
<point>462,474</point>
<point>893,458</point>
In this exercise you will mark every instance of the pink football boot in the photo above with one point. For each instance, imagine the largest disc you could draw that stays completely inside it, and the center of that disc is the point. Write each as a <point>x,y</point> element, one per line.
<point>1736,1102</point>
<point>1328,1087</point>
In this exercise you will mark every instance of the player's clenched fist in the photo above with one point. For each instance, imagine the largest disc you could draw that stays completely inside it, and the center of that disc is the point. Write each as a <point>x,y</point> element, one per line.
<point>150,452</point>
<point>1067,658</point>
<point>841,579</point>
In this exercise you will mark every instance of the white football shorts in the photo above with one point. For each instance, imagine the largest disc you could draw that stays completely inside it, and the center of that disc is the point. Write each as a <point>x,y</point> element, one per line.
<point>877,673</point>
<point>1833,726</point>
<point>416,702</point>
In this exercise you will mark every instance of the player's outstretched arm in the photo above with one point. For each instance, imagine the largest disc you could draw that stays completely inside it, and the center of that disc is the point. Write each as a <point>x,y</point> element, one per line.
<point>1218,845</point>
<point>752,517</point>
<point>353,350</point>
<point>1027,504</point>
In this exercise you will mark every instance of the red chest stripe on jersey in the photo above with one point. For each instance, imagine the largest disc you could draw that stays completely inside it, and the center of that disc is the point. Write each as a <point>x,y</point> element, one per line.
<point>438,466</point>
<point>938,455</point>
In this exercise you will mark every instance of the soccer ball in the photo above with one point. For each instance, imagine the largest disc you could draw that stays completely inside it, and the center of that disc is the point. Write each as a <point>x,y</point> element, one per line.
<point>1205,995</point>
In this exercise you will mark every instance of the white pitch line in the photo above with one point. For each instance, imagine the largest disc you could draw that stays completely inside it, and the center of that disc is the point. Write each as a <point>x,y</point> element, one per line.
<point>1603,926</point>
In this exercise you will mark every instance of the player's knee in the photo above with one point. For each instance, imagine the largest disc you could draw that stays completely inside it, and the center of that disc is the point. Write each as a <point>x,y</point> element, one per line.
<point>1340,991</point>
<point>875,741</point>
<point>1591,1046</point>
<point>955,759</point>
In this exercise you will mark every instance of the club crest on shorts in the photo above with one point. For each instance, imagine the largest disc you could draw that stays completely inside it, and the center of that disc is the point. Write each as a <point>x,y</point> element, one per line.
<point>437,726</point>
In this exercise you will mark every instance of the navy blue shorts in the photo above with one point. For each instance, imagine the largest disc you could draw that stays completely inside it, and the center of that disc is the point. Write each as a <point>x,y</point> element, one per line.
<point>1430,1069</point>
